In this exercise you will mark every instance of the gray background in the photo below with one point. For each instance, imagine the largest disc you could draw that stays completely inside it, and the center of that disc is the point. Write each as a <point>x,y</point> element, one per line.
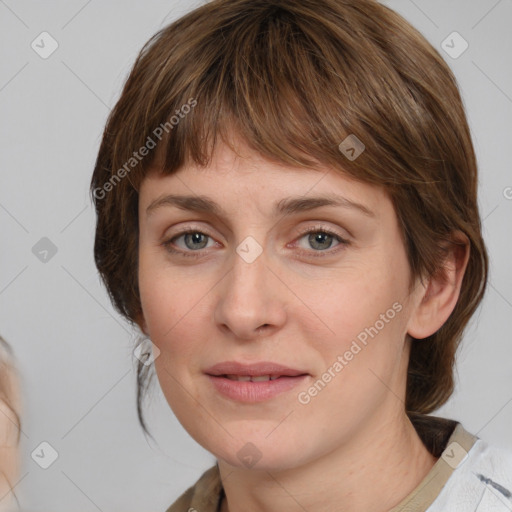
<point>73,351</point>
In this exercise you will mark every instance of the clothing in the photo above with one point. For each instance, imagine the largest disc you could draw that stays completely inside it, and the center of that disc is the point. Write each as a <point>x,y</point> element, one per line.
<point>469,476</point>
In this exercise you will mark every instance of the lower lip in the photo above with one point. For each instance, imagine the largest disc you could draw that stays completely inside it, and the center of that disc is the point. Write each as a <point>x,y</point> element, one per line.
<point>250,392</point>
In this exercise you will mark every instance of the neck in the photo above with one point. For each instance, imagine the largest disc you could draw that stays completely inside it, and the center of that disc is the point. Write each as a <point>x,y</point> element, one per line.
<point>377,471</point>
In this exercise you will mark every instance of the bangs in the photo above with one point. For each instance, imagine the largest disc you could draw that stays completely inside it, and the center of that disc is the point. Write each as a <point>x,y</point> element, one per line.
<point>291,92</point>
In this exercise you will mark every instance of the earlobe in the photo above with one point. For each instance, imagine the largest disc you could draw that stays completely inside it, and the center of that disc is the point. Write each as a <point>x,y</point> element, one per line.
<point>438,300</point>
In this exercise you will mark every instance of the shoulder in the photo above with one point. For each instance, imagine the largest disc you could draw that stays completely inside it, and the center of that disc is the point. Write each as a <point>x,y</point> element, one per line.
<point>203,496</point>
<point>480,482</point>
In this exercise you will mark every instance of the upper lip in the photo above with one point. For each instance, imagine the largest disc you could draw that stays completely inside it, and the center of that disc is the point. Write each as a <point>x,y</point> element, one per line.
<point>253,369</point>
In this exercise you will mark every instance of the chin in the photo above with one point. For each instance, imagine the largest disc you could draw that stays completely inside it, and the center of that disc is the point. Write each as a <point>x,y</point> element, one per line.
<point>258,453</point>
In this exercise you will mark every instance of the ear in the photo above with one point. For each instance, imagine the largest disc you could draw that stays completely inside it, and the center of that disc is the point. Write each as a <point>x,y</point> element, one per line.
<point>438,298</point>
<point>141,322</point>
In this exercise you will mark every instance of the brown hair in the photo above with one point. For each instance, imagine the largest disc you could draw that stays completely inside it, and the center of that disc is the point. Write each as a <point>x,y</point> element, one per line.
<point>294,79</point>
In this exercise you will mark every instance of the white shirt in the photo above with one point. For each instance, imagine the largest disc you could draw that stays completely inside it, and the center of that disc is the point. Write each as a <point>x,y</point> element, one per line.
<point>480,482</point>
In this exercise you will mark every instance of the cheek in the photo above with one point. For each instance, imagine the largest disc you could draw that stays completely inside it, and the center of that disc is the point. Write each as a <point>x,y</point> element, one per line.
<point>357,302</point>
<point>362,318</point>
<point>361,350</point>
<point>171,315</point>
<point>172,303</point>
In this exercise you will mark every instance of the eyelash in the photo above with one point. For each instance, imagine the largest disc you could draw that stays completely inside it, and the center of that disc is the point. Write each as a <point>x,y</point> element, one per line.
<point>314,229</point>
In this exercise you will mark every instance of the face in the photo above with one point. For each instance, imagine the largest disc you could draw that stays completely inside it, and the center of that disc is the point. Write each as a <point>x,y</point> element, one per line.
<point>312,293</point>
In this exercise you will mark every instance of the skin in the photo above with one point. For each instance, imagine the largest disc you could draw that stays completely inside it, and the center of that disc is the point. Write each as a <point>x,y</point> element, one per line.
<point>352,446</point>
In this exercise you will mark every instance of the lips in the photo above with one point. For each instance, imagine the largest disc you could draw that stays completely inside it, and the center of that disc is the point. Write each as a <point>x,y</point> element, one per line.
<point>263,369</point>
<point>252,378</point>
<point>251,383</point>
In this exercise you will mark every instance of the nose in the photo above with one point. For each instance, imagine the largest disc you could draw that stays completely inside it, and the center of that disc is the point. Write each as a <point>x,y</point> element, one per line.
<point>251,299</point>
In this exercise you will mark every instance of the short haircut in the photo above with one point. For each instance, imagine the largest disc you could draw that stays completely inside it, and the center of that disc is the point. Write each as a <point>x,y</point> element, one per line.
<point>294,80</point>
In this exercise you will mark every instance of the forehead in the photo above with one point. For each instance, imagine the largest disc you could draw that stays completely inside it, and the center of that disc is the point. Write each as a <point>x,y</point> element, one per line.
<point>236,180</point>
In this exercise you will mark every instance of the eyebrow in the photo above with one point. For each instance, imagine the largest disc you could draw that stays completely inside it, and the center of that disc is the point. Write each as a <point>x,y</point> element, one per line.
<point>286,206</point>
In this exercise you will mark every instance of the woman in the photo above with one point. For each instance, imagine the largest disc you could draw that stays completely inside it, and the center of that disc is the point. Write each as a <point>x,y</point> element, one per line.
<point>286,196</point>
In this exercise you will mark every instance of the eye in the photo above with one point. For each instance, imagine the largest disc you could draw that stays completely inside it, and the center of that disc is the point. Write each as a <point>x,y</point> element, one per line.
<point>321,239</point>
<point>194,240</point>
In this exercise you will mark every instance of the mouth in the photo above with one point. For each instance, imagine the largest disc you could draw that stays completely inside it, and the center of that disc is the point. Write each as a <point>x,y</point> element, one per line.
<point>253,370</point>
<point>251,383</point>
<point>252,378</point>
